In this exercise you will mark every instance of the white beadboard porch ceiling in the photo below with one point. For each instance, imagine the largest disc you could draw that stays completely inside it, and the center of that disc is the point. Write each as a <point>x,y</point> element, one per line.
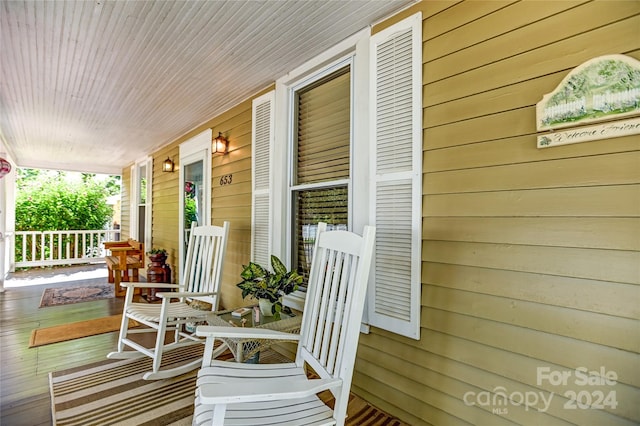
<point>93,85</point>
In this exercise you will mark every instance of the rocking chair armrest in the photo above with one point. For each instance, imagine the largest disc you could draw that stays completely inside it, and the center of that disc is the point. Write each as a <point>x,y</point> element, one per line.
<point>263,390</point>
<point>243,333</point>
<point>148,285</point>
<point>174,295</point>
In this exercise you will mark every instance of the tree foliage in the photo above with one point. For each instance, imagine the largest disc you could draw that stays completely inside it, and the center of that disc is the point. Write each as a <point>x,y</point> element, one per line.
<point>51,201</point>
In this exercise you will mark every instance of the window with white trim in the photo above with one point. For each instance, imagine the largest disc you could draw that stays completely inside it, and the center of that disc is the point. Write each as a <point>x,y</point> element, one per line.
<point>140,208</point>
<point>320,160</point>
<point>347,150</point>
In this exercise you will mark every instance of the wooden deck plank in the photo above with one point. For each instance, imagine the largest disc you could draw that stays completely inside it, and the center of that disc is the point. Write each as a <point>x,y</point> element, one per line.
<point>24,390</point>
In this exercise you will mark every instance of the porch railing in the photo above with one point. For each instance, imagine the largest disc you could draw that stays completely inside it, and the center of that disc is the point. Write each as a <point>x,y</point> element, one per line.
<point>49,248</point>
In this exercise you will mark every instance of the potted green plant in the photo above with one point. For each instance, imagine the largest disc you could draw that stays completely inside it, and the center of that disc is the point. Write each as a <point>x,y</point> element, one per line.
<point>157,255</point>
<point>268,287</point>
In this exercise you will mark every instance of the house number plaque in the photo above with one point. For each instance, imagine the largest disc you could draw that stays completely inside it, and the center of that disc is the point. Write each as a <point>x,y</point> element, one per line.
<point>226,180</point>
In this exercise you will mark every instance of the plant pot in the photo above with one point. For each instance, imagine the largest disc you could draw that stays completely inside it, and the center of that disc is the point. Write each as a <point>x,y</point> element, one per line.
<point>159,258</point>
<point>265,307</point>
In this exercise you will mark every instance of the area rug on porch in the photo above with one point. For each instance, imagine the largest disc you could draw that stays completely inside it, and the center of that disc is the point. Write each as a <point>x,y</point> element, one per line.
<point>76,330</point>
<point>67,295</point>
<point>114,393</point>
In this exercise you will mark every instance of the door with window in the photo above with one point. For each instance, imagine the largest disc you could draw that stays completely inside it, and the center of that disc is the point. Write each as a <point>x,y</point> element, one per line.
<point>195,187</point>
<point>193,194</point>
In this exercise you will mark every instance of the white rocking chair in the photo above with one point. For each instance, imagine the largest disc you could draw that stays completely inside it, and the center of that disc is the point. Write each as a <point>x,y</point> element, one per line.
<point>201,281</point>
<point>269,394</point>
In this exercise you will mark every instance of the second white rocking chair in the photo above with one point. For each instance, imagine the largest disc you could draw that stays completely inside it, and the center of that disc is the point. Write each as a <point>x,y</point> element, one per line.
<point>270,394</point>
<point>200,281</point>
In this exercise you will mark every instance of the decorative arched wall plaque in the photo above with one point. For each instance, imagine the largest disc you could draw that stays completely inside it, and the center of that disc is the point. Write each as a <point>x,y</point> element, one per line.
<point>603,90</point>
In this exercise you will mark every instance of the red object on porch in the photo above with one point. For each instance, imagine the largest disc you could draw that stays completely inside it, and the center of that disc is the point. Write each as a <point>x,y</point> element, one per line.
<point>5,167</point>
<point>157,272</point>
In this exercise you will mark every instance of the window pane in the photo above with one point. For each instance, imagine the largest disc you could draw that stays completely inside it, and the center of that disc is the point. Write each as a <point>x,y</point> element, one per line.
<point>328,205</point>
<point>142,185</point>
<point>323,129</point>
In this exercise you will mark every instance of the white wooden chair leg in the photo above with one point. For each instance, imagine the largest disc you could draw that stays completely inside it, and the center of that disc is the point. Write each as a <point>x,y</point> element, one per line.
<point>124,328</point>
<point>157,353</point>
<point>124,325</point>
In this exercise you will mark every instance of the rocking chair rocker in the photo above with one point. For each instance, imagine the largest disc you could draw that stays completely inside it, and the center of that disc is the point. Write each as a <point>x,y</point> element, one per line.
<point>201,281</point>
<point>268,394</point>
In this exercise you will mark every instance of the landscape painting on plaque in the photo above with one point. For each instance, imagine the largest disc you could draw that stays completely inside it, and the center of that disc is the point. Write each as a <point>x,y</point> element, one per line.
<point>604,90</point>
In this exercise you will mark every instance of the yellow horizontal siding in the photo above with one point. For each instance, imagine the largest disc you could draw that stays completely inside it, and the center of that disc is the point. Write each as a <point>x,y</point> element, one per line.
<point>516,150</point>
<point>445,367</point>
<point>232,202</point>
<point>609,233</point>
<point>164,207</point>
<point>531,257</point>
<point>617,37</point>
<point>561,173</point>
<point>603,329</point>
<point>528,23</point>
<point>457,14</point>
<point>595,264</point>
<point>622,200</point>
<point>616,299</point>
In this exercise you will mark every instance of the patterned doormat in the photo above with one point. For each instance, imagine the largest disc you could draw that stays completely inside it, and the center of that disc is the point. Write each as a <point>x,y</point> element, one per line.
<point>67,295</point>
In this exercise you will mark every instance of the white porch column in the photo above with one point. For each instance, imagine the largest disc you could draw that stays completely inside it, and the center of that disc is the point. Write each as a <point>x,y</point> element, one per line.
<point>7,220</point>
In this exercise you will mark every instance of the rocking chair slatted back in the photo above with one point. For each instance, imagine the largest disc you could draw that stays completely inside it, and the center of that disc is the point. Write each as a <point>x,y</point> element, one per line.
<point>327,343</point>
<point>203,263</point>
<point>334,304</point>
<point>200,281</point>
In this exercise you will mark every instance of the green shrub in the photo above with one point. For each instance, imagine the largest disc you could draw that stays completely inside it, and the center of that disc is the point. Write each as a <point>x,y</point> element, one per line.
<point>49,202</point>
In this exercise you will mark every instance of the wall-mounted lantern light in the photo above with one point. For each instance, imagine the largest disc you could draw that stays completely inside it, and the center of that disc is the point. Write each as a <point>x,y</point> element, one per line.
<point>220,144</point>
<point>167,165</point>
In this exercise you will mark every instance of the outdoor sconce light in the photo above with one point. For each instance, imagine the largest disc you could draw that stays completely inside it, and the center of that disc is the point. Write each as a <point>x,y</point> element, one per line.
<point>167,165</point>
<point>220,144</point>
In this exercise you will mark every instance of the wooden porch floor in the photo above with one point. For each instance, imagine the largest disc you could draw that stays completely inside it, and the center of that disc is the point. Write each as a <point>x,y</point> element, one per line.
<point>24,382</point>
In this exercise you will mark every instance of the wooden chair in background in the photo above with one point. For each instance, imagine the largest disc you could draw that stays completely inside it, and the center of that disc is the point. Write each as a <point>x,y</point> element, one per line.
<point>125,256</point>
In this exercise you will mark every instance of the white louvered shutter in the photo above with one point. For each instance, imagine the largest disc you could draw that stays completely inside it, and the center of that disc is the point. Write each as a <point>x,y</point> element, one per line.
<point>261,149</point>
<point>394,300</point>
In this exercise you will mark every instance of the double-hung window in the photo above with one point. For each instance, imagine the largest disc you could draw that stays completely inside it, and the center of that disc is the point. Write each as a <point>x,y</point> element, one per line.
<point>340,141</point>
<point>320,156</point>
